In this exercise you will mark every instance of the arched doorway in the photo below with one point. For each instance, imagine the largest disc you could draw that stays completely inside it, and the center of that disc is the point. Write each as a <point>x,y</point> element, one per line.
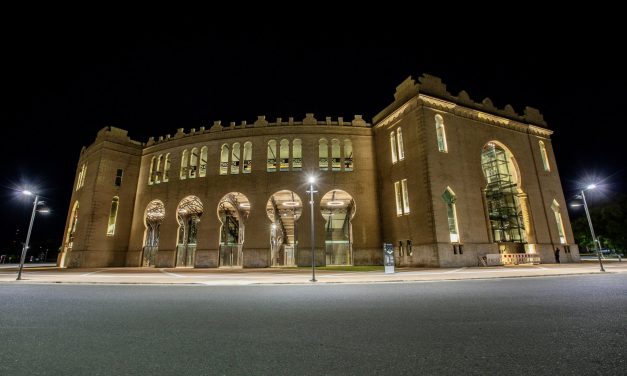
<point>155,212</point>
<point>188,215</point>
<point>502,194</point>
<point>284,208</point>
<point>233,210</point>
<point>338,209</point>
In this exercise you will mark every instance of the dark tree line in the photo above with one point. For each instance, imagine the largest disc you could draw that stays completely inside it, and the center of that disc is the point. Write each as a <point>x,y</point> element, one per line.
<point>609,223</point>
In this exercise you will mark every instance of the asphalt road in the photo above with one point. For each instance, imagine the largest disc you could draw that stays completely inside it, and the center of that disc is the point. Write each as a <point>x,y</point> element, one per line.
<point>519,326</point>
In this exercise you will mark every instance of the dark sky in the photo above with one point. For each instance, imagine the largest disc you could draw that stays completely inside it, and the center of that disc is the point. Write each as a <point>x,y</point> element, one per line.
<point>66,79</point>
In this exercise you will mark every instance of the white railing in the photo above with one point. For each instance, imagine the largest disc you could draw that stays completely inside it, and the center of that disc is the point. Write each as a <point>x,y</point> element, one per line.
<point>512,259</point>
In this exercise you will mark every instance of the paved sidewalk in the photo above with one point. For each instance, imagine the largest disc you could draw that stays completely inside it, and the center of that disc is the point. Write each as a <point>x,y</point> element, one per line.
<point>226,277</point>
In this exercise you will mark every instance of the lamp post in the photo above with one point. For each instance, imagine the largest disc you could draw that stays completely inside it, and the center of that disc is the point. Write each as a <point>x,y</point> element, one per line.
<point>311,191</point>
<point>594,238</point>
<point>30,228</point>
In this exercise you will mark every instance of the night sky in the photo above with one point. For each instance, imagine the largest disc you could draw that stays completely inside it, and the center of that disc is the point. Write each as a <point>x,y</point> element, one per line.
<point>66,80</point>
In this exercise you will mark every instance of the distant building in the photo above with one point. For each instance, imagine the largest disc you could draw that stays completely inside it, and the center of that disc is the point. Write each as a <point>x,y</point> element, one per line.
<point>448,181</point>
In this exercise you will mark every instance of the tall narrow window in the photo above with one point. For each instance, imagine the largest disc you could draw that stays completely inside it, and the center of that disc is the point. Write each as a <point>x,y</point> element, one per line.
<point>348,155</point>
<point>441,133</point>
<point>405,196</point>
<point>203,162</point>
<point>399,198</point>
<point>224,159</point>
<point>193,163</point>
<point>401,147</point>
<point>271,157</point>
<point>248,157</point>
<point>151,171</point>
<point>451,213</point>
<point>284,155</point>
<point>558,219</point>
<point>393,147</point>
<point>335,155</point>
<point>113,214</point>
<point>84,175</point>
<point>81,177</point>
<point>118,177</point>
<point>545,158</point>
<point>156,178</point>
<point>235,158</point>
<point>323,155</point>
<point>297,155</point>
<point>166,168</point>
<point>184,161</point>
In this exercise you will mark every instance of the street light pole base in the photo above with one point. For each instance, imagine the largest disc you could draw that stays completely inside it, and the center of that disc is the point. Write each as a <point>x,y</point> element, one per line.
<point>313,280</point>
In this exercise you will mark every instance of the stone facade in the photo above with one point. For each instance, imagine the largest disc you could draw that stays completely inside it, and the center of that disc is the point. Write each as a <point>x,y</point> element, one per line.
<point>365,197</point>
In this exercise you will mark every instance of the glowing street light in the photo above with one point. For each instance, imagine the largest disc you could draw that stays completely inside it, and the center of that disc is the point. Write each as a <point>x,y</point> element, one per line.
<point>594,238</point>
<point>311,191</point>
<point>30,228</point>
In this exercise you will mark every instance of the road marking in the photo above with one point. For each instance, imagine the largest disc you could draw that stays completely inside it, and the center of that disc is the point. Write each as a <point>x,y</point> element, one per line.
<point>172,274</point>
<point>539,267</point>
<point>97,271</point>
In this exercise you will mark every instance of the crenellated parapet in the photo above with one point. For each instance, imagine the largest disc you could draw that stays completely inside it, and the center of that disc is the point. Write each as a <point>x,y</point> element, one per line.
<point>262,122</point>
<point>432,86</point>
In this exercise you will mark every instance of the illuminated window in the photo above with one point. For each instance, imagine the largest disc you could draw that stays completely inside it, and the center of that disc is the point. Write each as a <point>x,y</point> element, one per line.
<point>271,157</point>
<point>224,159</point>
<point>81,177</point>
<point>399,198</point>
<point>113,214</point>
<point>545,158</point>
<point>193,163</point>
<point>118,177</point>
<point>348,155</point>
<point>235,158</point>
<point>399,141</point>
<point>558,219</point>
<point>323,155</point>
<point>166,168</point>
<point>184,158</point>
<point>335,155</point>
<point>155,178</point>
<point>405,196</point>
<point>248,157</point>
<point>203,162</point>
<point>441,133</point>
<point>393,147</point>
<point>284,155</point>
<point>451,213</point>
<point>151,171</point>
<point>297,155</point>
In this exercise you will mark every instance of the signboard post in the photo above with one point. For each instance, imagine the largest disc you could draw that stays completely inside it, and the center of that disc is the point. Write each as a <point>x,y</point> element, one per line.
<point>388,257</point>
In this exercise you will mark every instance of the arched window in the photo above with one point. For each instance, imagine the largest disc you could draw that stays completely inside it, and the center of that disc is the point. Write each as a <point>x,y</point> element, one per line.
<point>284,155</point>
<point>184,161</point>
<point>323,155</point>
<point>203,162</point>
<point>235,158</point>
<point>224,159</point>
<point>113,214</point>
<point>271,159</point>
<point>545,158</point>
<point>348,155</point>
<point>81,177</point>
<point>558,219</point>
<point>151,172</point>
<point>248,157</point>
<point>158,168</point>
<point>393,147</point>
<point>193,163</point>
<point>451,213</point>
<point>166,168</point>
<point>335,155</point>
<point>297,155</point>
<point>441,133</point>
<point>399,141</point>
<point>502,196</point>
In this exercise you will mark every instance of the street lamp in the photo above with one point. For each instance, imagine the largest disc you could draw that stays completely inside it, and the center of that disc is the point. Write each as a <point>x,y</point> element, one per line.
<point>30,228</point>
<point>311,191</point>
<point>594,238</point>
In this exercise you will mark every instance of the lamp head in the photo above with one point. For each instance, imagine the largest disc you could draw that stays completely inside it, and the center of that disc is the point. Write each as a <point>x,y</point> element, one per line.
<point>591,186</point>
<point>311,179</point>
<point>27,192</point>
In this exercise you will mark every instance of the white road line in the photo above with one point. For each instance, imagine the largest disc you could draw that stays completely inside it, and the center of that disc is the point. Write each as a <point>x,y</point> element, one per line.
<point>97,271</point>
<point>539,267</point>
<point>172,274</point>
